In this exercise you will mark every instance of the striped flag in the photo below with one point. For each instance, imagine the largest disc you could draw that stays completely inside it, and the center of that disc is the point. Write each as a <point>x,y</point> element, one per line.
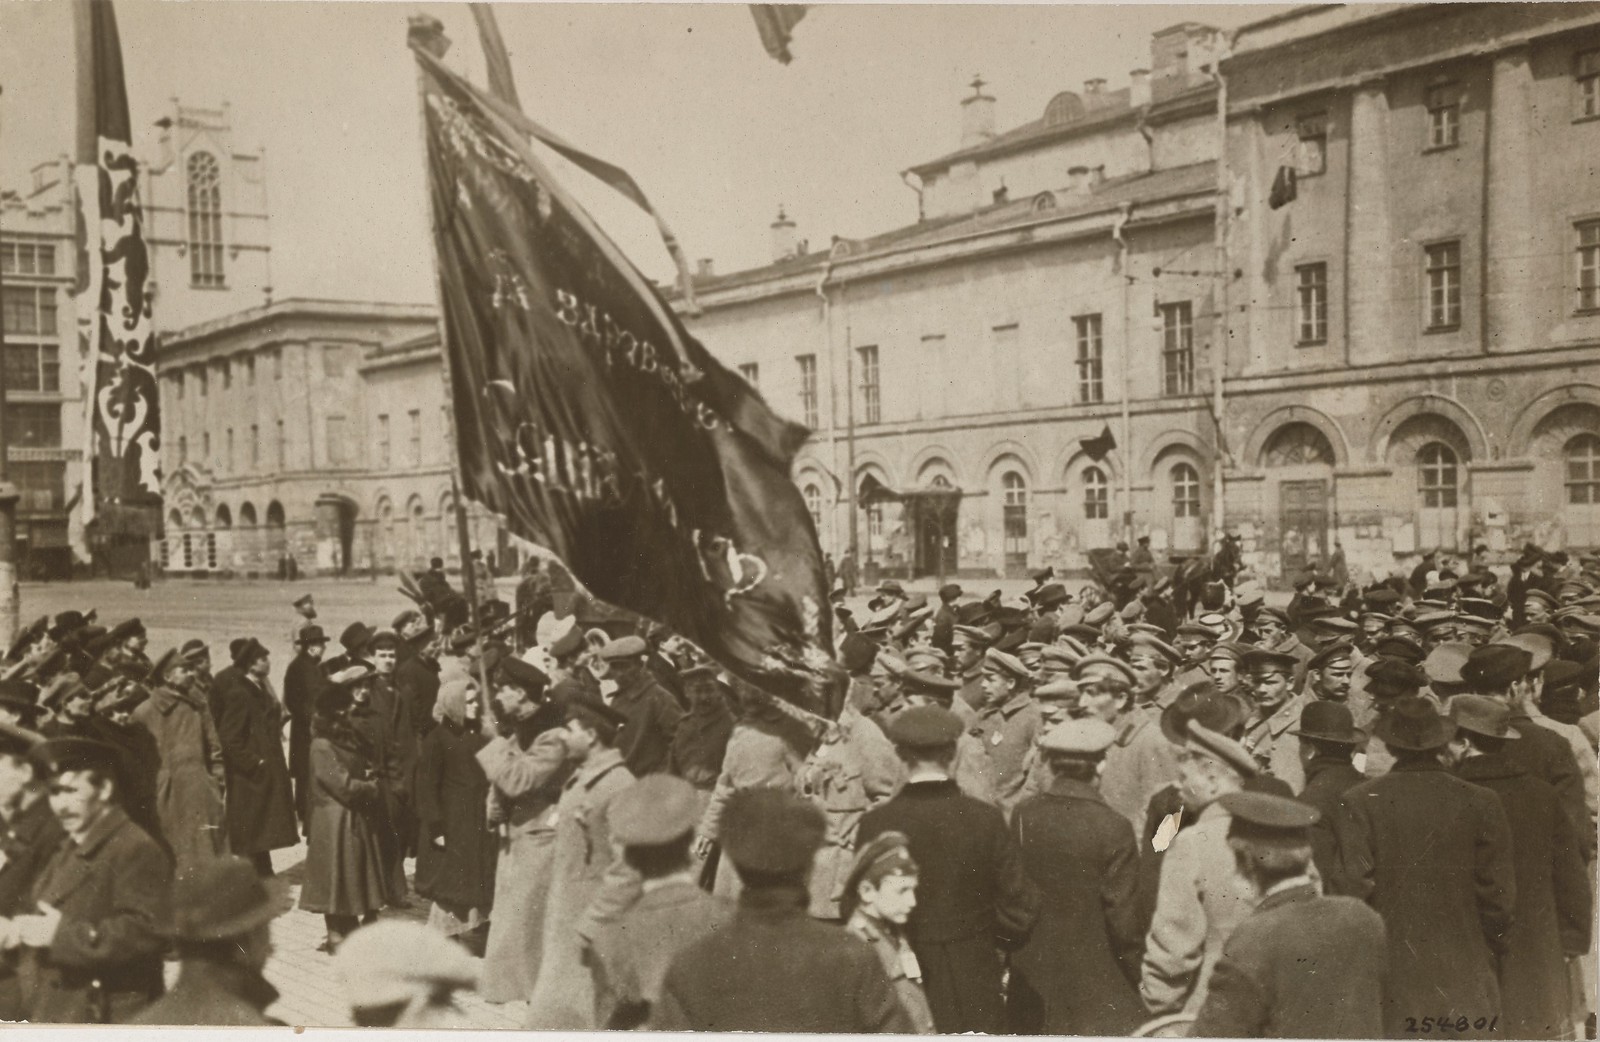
<point>775,23</point>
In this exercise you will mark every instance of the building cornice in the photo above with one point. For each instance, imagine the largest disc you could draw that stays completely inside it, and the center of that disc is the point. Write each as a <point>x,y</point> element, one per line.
<point>1414,369</point>
<point>295,310</point>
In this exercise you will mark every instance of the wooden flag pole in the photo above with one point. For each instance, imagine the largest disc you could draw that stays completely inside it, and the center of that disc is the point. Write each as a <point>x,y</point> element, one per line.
<point>427,33</point>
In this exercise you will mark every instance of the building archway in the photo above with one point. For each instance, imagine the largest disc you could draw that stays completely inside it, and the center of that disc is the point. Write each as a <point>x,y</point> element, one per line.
<point>1564,480</point>
<point>1299,457</point>
<point>1435,451</point>
<point>277,535</point>
<point>336,533</point>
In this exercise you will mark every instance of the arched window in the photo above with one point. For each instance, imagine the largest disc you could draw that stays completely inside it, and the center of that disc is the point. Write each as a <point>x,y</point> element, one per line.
<point>1583,470</point>
<point>224,516</point>
<point>939,481</point>
<point>1096,494</point>
<point>1436,476</point>
<point>1014,500</point>
<point>1185,491</point>
<point>386,532</point>
<point>813,497</point>
<point>174,519</point>
<point>205,220</point>
<point>247,515</point>
<point>1298,443</point>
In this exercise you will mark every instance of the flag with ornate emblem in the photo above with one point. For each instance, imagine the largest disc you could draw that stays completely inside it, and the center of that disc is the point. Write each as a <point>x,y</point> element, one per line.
<point>117,342</point>
<point>589,419</point>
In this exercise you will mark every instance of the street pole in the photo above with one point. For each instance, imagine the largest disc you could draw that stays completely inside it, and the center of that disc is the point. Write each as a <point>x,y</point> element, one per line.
<point>10,596</point>
<point>1219,336</point>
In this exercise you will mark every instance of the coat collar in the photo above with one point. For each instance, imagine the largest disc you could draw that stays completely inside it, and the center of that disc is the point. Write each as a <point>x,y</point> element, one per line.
<point>73,861</point>
<point>166,699</point>
<point>1293,895</point>
<point>1072,789</point>
<point>774,902</point>
<point>1010,707</point>
<point>598,766</point>
<point>1494,765</point>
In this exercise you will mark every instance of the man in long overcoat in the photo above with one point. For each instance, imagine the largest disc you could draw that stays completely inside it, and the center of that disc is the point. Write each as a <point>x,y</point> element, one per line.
<point>1328,742</point>
<point>1554,902</point>
<point>29,836</point>
<point>190,778</point>
<point>90,942</point>
<point>249,721</point>
<point>1432,854</point>
<point>302,682</point>
<point>972,895</point>
<point>1077,973</point>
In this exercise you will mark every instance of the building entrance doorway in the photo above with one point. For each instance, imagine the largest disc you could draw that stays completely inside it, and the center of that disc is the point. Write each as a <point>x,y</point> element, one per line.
<point>1302,525</point>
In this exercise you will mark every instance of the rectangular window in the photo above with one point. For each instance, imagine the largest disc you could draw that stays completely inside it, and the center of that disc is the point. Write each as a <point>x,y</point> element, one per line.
<point>255,446</point>
<point>27,258</point>
<point>416,437</point>
<point>871,407</point>
<point>752,374</point>
<point>42,485</point>
<point>283,447</point>
<point>1311,302</point>
<point>33,425</point>
<point>1313,133</point>
<point>177,386</point>
<point>202,380</point>
<point>1091,359</point>
<point>250,371</point>
<point>225,374</point>
<point>1177,348</point>
<point>230,456</point>
<point>337,452</point>
<point>1586,78</point>
<point>33,367</point>
<point>205,449</point>
<point>30,310</point>
<point>383,440</point>
<point>277,363</point>
<point>808,390</point>
<point>1589,265</point>
<point>1444,285</point>
<point>1444,115</point>
<point>183,450</point>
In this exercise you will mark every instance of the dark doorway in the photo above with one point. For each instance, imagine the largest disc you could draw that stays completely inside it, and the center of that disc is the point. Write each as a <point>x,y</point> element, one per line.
<point>934,518</point>
<point>1302,525</point>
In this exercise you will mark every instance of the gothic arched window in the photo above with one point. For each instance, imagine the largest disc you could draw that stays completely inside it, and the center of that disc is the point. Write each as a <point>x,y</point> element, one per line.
<point>205,221</point>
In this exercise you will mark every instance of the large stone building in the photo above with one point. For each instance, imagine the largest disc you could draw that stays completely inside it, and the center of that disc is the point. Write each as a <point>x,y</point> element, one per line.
<point>1407,347</point>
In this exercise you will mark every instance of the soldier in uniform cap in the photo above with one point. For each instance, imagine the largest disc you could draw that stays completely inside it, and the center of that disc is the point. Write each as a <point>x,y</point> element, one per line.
<point>190,776</point>
<point>1301,965</point>
<point>1271,626</point>
<point>305,606</point>
<point>1008,722</point>
<point>403,975</point>
<point>652,714</point>
<point>773,967</point>
<point>302,683</point>
<point>29,835</point>
<point>90,940</point>
<point>653,820</point>
<point>1142,761</point>
<point>972,769</point>
<point>1270,675</point>
<point>880,892</point>
<point>1432,854</point>
<point>219,921</point>
<point>1077,973</point>
<point>972,894</point>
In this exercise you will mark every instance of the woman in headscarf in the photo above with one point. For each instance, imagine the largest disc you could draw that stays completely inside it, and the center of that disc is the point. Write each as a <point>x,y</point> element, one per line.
<point>456,849</point>
<point>346,876</point>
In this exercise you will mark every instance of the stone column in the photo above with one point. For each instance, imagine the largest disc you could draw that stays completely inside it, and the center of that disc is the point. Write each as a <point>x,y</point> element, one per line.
<point>1510,222</point>
<point>1371,279</point>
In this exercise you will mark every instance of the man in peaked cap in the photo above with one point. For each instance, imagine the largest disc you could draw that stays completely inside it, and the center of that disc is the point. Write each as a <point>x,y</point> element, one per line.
<point>1072,975</point>
<point>1432,854</point>
<point>1008,722</point>
<point>302,683</point>
<point>1538,606</point>
<point>1141,761</point>
<point>653,715</point>
<point>1272,627</point>
<point>305,608</point>
<point>398,974</point>
<point>1154,663</point>
<point>880,892</point>
<point>190,807</point>
<point>1329,740</point>
<point>1270,676</point>
<point>654,820</point>
<point>972,894</point>
<point>1301,964</point>
<point>773,967</point>
<point>920,685</point>
<point>90,938</point>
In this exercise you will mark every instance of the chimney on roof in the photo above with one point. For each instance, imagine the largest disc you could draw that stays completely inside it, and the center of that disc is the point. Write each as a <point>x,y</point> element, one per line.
<point>1078,180</point>
<point>1097,176</point>
<point>977,116</point>
<point>705,268</point>
<point>1139,88</point>
<point>783,237</point>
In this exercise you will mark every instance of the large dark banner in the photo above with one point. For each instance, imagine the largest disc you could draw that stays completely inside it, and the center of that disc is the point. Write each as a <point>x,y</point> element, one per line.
<point>595,425</point>
<point>116,335</point>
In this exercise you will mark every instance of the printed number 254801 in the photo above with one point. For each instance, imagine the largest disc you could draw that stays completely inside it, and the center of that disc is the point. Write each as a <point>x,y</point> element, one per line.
<point>1447,1025</point>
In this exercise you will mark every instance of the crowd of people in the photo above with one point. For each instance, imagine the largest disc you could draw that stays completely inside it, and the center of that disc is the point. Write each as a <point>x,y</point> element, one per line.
<point>1155,800</point>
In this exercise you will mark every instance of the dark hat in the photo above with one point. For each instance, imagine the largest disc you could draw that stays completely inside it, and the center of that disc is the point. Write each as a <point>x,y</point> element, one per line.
<point>1263,661</point>
<point>1399,646</point>
<point>1413,724</point>
<point>384,640</point>
<point>18,741</point>
<point>657,808</point>
<point>1334,625</point>
<point>1543,597</point>
<point>219,898</point>
<point>1276,614</point>
<point>65,623</point>
<point>772,831</point>
<point>334,697</point>
<point>1223,713</point>
<point>1050,595</point>
<point>194,649</point>
<point>20,696</point>
<point>624,647</point>
<point>949,592</point>
<point>76,754</point>
<point>892,586</point>
<point>591,711</point>
<point>303,601</point>
<point>1561,674</point>
<point>1389,678</point>
<point>886,854</point>
<point>1223,748</point>
<point>1262,817</point>
<point>1044,575</point>
<point>127,628</point>
<point>1489,717</point>
<point>517,673</point>
<point>858,652</point>
<point>159,667</point>
<point>32,632</point>
<point>1480,608</point>
<point>406,617</point>
<point>310,635</point>
<point>1495,667</point>
<point>1332,653</point>
<point>919,681</point>
<point>1305,577</point>
<point>247,652</point>
<point>1541,647</point>
<point>924,727</point>
<point>1121,545</point>
<point>1329,722</point>
<point>355,637</point>
<point>1150,643</point>
<point>1007,664</point>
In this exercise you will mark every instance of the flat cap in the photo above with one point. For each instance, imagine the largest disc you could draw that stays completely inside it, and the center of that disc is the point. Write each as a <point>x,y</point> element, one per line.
<point>394,961</point>
<point>1338,651</point>
<point>1059,688</point>
<point>771,830</point>
<point>1099,615</point>
<point>1086,737</point>
<point>1336,626</point>
<point>1542,597</point>
<point>1150,644</point>
<point>623,647</point>
<point>1007,664</point>
<point>1263,816</point>
<point>950,592</point>
<point>982,636</point>
<point>1381,598</point>
<point>1093,666</point>
<point>1263,661</point>
<point>1496,666</point>
<point>1540,648</point>
<point>1229,649</point>
<point>1277,614</point>
<point>217,898</point>
<point>76,754</point>
<point>924,727</point>
<point>1223,748</point>
<point>1428,620</point>
<point>518,673</point>
<point>657,808</point>
<point>1397,645</point>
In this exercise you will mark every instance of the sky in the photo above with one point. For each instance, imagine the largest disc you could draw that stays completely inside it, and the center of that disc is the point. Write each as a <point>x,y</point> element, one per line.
<point>681,95</point>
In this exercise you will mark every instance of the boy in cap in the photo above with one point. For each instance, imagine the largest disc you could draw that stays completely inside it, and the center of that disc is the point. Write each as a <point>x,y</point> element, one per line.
<point>973,894</point>
<point>1074,974</point>
<point>652,714</point>
<point>653,820</point>
<point>1432,854</point>
<point>1554,903</point>
<point>589,885</point>
<point>773,967</point>
<point>880,893</point>
<point>91,941</point>
<point>1301,965</point>
<point>219,920</point>
<point>29,835</point>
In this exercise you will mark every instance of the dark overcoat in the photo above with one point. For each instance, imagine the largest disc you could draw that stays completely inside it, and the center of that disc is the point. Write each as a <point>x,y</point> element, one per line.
<point>1432,854</point>
<point>302,682</point>
<point>28,842</point>
<point>653,716</point>
<point>452,800</point>
<point>347,870</point>
<point>1301,966</point>
<point>1548,756</point>
<point>1553,899</point>
<point>260,795</point>
<point>105,962</point>
<point>416,683</point>
<point>1076,974</point>
<point>213,994</point>
<point>1328,778</point>
<point>138,761</point>
<point>825,981</point>
<point>972,898</point>
<point>629,956</point>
